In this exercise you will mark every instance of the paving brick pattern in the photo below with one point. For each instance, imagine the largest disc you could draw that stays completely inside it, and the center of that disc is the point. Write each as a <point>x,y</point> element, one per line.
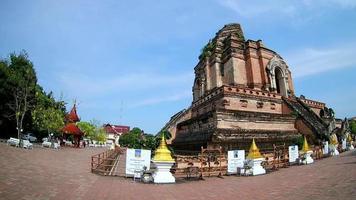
<point>65,174</point>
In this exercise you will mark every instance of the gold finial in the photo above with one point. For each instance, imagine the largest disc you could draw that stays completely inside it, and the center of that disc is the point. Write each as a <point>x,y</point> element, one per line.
<point>162,153</point>
<point>305,145</point>
<point>333,139</point>
<point>349,138</point>
<point>254,152</point>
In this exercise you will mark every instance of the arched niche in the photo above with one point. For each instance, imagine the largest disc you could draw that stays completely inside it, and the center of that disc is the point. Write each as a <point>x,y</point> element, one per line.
<point>196,89</point>
<point>277,72</point>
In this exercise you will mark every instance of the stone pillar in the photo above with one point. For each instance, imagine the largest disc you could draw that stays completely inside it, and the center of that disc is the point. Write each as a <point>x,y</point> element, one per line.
<point>202,90</point>
<point>217,75</point>
<point>273,82</point>
<point>283,87</point>
<point>208,74</point>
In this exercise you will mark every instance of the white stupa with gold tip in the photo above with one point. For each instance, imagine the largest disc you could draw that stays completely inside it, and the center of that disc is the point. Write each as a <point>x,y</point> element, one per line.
<point>163,162</point>
<point>350,146</point>
<point>333,145</point>
<point>306,153</point>
<point>254,160</point>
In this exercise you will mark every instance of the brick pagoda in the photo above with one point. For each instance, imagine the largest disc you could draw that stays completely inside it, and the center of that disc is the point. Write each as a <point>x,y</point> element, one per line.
<point>244,90</point>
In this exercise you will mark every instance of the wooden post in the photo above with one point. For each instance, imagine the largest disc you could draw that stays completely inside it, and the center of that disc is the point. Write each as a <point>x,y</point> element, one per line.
<point>92,164</point>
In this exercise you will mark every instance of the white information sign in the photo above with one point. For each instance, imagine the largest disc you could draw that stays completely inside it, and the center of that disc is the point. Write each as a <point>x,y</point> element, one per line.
<point>343,144</point>
<point>136,160</point>
<point>326,147</point>
<point>235,159</point>
<point>293,153</point>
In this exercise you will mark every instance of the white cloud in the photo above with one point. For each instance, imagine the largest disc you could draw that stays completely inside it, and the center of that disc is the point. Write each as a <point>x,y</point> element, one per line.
<point>341,3</point>
<point>255,7</point>
<point>309,61</point>
<point>294,8</point>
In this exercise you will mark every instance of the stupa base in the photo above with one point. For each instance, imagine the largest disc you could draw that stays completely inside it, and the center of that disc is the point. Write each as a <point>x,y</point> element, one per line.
<point>162,173</point>
<point>307,159</point>
<point>334,151</point>
<point>255,167</point>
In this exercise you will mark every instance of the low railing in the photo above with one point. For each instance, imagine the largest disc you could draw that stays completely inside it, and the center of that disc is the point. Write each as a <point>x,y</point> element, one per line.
<point>102,163</point>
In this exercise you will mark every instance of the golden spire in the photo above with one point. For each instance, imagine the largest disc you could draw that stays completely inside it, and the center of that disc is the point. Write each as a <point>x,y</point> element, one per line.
<point>305,145</point>
<point>333,139</point>
<point>254,152</point>
<point>162,153</point>
<point>349,138</point>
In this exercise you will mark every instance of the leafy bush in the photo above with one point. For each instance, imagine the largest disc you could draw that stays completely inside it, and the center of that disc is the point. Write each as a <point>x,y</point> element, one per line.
<point>353,127</point>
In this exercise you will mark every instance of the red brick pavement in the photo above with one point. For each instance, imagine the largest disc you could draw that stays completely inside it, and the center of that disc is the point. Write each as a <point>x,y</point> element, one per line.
<point>65,174</point>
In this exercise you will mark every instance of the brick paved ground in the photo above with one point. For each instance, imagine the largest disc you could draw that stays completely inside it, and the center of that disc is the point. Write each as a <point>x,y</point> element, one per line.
<point>64,174</point>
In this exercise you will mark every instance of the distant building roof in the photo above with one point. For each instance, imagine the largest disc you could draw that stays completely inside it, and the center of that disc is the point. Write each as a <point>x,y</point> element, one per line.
<point>352,118</point>
<point>72,129</point>
<point>72,116</point>
<point>116,129</point>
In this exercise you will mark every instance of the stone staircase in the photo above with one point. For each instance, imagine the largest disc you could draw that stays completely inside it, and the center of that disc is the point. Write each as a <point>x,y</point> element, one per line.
<point>317,125</point>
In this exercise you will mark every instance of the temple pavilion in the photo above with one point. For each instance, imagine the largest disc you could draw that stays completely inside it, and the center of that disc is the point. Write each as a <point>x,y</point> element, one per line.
<point>71,128</point>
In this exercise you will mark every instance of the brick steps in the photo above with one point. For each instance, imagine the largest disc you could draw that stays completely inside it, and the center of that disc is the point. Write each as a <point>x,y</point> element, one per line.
<point>311,119</point>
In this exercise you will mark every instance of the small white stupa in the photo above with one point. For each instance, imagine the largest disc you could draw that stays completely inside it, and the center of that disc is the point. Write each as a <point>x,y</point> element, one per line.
<point>333,145</point>
<point>350,145</point>
<point>254,160</point>
<point>163,161</point>
<point>306,153</point>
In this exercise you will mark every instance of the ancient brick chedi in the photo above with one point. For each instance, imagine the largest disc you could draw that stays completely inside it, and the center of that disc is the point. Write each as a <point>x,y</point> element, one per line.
<point>243,90</point>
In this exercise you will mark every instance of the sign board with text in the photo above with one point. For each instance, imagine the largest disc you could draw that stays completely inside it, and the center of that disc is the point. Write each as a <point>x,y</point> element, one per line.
<point>235,159</point>
<point>136,160</point>
<point>326,147</point>
<point>293,153</point>
<point>343,144</point>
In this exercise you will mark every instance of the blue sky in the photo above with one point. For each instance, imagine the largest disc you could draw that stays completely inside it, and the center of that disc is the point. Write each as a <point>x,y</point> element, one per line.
<point>131,62</point>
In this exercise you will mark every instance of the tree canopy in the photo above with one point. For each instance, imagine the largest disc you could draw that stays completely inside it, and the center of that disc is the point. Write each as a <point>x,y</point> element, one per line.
<point>353,127</point>
<point>23,103</point>
<point>48,114</point>
<point>87,128</point>
<point>93,130</point>
<point>19,79</point>
<point>137,139</point>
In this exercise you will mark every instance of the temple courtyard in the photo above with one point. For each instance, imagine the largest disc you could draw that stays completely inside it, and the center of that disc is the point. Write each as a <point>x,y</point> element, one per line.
<point>65,174</point>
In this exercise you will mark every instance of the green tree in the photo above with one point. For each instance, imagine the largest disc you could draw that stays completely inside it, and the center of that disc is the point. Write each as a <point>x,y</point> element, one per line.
<point>88,129</point>
<point>150,142</point>
<point>21,83</point>
<point>6,123</point>
<point>50,119</point>
<point>353,127</point>
<point>136,139</point>
<point>100,135</point>
<point>48,114</point>
<point>132,139</point>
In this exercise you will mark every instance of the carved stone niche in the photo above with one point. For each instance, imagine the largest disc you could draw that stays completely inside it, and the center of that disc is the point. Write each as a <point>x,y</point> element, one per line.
<point>259,104</point>
<point>243,103</point>
<point>273,106</point>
